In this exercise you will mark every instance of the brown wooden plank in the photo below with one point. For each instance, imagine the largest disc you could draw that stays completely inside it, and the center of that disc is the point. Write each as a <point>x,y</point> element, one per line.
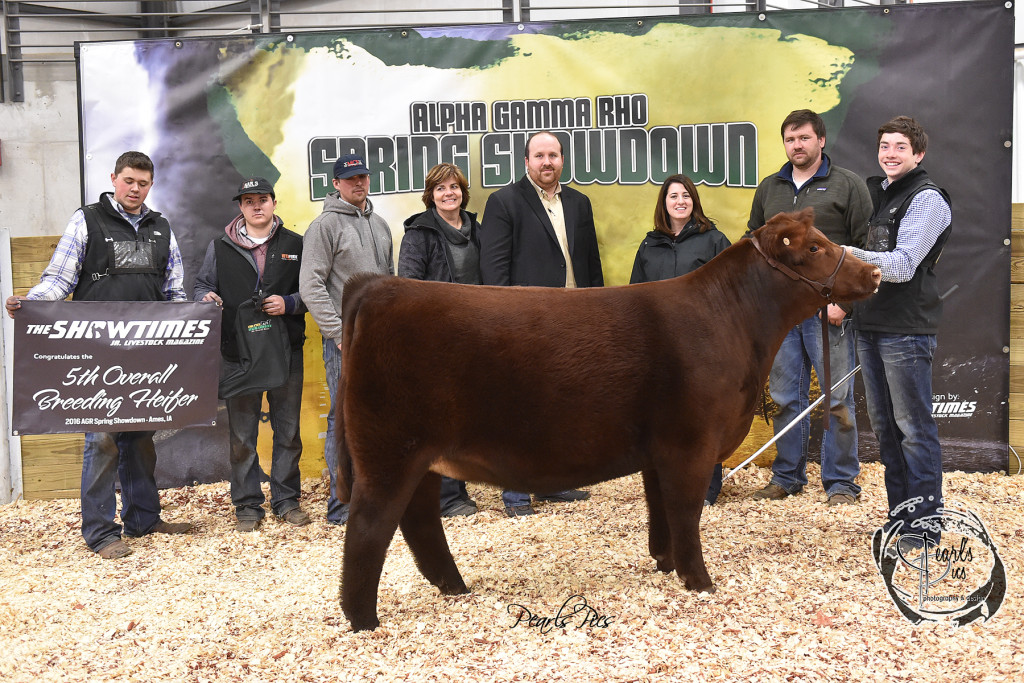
<point>1017,436</point>
<point>1017,269</point>
<point>51,465</point>
<point>1017,217</point>
<point>27,274</point>
<point>51,495</point>
<point>1016,380</point>
<point>1017,242</point>
<point>57,443</point>
<point>36,248</point>
<point>29,257</point>
<point>59,477</point>
<point>1016,329</point>
<point>1016,299</point>
<point>1016,406</point>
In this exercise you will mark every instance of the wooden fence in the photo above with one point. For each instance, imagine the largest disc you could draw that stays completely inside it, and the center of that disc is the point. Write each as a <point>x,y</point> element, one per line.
<point>51,464</point>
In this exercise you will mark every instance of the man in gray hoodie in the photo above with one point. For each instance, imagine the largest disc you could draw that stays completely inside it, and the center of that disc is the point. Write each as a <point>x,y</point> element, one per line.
<point>347,238</point>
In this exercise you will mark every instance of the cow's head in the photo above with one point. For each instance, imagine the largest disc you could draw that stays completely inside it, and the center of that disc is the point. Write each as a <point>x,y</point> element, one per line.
<point>792,241</point>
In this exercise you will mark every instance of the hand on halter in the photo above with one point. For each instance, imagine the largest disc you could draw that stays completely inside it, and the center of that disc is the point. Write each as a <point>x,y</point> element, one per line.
<point>836,314</point>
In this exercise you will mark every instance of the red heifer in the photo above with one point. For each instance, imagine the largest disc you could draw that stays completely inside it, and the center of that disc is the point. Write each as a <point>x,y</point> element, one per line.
<point>541,390</point>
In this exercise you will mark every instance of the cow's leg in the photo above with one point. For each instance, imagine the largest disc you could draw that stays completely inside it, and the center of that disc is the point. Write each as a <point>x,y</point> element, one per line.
<point>658,540</point>
<point>683,489</point>
<point>372,521</point>
<point>421,527</point>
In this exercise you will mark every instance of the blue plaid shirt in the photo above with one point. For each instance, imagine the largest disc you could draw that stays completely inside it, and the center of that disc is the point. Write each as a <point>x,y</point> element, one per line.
<point>927,216</point>
<point>60,278</point>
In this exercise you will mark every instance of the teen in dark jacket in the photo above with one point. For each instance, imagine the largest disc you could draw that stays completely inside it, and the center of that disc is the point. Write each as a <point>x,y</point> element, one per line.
<point>258,258</point>
<point>442,244</point>
<point>683,240</point>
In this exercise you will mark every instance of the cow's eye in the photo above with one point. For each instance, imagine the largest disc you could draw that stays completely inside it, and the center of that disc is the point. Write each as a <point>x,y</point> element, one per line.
<point>813,248</point>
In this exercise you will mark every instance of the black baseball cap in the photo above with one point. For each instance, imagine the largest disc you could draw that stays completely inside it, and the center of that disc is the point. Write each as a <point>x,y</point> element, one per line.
<point>349,165</point>
<point>255,185</point>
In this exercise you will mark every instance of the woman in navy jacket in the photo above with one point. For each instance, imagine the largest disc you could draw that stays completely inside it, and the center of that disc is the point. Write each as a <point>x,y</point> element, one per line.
<point>682,241</point>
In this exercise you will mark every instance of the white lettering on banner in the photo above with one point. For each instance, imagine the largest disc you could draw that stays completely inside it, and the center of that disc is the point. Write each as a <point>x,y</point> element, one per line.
<point>157,399</point>
<point>145,330</point>
<point>49,399</point>
<point>448,117</point>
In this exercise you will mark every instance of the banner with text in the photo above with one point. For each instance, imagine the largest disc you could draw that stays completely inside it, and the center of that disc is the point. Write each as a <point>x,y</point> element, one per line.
<point>632,100</point>
<point>115,366</point>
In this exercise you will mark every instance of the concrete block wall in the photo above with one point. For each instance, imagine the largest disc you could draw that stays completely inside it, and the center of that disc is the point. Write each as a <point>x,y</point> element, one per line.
<point>40,177</point>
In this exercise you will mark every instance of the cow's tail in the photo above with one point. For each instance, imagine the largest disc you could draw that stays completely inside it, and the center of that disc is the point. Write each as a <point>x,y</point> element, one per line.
<point>351,300</point>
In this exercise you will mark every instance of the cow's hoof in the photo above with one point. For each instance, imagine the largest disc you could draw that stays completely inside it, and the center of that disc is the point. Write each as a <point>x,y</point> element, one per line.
<point>665,565</point>
<point>454,590</point>
<point>363,624</point>
<point>700,585</point>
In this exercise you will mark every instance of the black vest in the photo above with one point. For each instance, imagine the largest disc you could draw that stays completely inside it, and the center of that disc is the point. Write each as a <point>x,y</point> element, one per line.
<point>120,263</point>
<point>911,307</point>
<point>237,281</point>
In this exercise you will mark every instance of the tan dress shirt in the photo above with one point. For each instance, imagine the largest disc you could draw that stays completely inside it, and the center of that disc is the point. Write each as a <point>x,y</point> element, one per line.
<point>553,205</point>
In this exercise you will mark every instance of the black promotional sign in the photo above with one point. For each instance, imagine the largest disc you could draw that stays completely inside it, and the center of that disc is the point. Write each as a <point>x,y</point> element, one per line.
<point>114,366</point>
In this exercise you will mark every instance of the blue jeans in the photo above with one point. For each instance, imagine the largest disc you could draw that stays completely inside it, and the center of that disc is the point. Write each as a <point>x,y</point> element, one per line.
<point>453,492</point>
<point>518,498</point>
<point>244,414</point>
<point>897,372</point>
<point>337,512</point>
<point>130,457</point>
<point>790,382</point>
<point>515,498</point>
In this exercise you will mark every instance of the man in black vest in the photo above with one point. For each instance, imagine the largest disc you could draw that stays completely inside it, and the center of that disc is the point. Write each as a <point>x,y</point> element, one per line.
<point>258,259</point>
<point>117,250</point>
<point>896,327</point>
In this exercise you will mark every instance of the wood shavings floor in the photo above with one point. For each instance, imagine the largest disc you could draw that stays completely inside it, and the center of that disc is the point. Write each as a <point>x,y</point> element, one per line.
<point>798,599</point>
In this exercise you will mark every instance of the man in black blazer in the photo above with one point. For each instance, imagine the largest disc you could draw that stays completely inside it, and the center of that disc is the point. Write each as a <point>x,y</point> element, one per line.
<point>538,232</point>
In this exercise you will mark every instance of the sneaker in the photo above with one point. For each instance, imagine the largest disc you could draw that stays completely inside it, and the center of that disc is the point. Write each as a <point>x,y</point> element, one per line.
<point>520,510</point>
<point>296,517</point>
<point>771,492</point>
<point>163,527</point>
<point>246,526</point>
<point>564,497</point>
<point>459,509</point>
<point>114,550</point>
<point>841,499</point>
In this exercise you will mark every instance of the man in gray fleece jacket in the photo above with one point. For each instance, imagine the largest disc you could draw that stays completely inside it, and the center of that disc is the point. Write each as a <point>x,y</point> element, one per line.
<point>841,206</point>
<point>347,238</point>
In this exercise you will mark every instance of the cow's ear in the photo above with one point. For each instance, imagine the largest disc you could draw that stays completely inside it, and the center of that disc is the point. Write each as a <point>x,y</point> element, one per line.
<point>773,235</point>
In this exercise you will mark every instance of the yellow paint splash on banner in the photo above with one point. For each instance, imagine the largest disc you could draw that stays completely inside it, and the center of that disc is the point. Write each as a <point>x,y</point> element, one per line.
<point>690,74</point>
